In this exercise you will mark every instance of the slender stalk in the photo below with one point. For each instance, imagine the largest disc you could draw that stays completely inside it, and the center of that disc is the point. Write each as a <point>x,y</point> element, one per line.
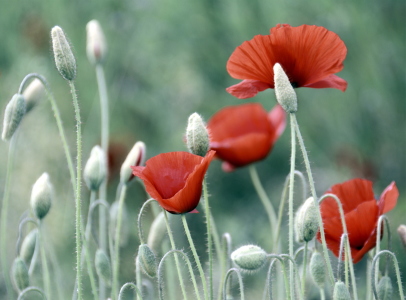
<point>268,285</point>
<point>20,232</point>
<point>125,286</point>
<point>31,289</point>
<point>304,269</point>
<point>369,278</point>
<point>45,270</point>
<point>225,261</point>
<point>239,282</point>
<point>140,232</point>
<point>196,257</point>
<point>378,242</point>
<point>138,275</point>
<point>295,274</point>
<point>209,238</point>
<point>322,294</point>
<point>56,267</point>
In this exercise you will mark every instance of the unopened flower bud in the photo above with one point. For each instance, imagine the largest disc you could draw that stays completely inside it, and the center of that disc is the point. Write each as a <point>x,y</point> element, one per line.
<point>103,266</point>
<point>402,234</point>
<point>96,47</point>
<point>317,269</point>
<point>136,157</point>
<point>197,135</point>
<point>249,257</point>
<point>13,115</point>
<point>33,93</point>
<point>95,169</point>
<point>341,291</point>
<point>157,232</point>
<point>19,274</point>
<point>147,260</point>
<point>306,222</point>
<point>28,246</point>
<point>41,196</point>
<point>64,58</point>
<point>385,289</point>
<point>124,234</point>
<point>285,94</point>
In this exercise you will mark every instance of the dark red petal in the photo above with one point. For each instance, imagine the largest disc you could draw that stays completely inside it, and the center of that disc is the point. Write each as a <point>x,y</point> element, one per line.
<point>388,199</point>
<point>332,81</point>
<point>357,254</point>
<point>277,118</point>
<point>247,88</point>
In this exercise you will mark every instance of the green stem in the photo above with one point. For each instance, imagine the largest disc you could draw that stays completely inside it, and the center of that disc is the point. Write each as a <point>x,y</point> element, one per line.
<point>209,237</point>
<point>268,284</point>
<point>196,257</point>
<point>31,289</point>
<point>225,261</point>
<point>295,274</point>
<point>125,286</point>
<point>239,282</point>
<point>304,269</point>
<point>140,232</point>
<point>378,242</point>
<point>322,294</point>
<point>45,270</point>
<point>138,275</point>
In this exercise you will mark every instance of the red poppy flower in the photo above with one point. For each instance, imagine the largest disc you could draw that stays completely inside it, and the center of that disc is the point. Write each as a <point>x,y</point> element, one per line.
<point>310,56</point>
<point>175,179</point>
<point>361,211</point>
<point>243,134</point>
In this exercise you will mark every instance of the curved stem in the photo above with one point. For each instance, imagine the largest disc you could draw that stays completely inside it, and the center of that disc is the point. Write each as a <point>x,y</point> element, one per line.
<point>295,274</point>
<point>268,285</point>
<point>125,286</point>
<point>226,261</point>
<point>239,281</point>
<point>20,232</point>
<point>45,270</point>
<point>304,269</point>
<point>209,234</point>
<point>31,289</point>
<point>140,233</point>
<point>378,242</point>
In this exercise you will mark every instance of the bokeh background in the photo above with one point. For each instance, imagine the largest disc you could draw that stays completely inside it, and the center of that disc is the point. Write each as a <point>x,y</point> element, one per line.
<point>166,59</point>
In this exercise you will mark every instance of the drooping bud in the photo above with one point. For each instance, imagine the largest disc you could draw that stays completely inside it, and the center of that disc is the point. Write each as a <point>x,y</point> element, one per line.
<point>306,222</point>
<point>19,273</point>
<point>385,289</point>
<point>249,257</point>
<point>124,234</point>
<point>95,169</point>
<point>41,196</point>
<point>197,135</point>
<point>28,246</point>
<point>136,157</point>
<point>341,291</point>
<point>317,269</point>
<point>64,58</point>
<point>147,260</point>
<point>13,115</point>
<point>285,94</point>
<point>103,266</point>
<point>402,234</point>
<point>157,232</point>
<point>96,47</point>
<point>33,93</point>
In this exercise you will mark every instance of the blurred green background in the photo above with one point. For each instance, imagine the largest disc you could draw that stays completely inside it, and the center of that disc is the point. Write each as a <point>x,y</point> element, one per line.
<point>166,59</point>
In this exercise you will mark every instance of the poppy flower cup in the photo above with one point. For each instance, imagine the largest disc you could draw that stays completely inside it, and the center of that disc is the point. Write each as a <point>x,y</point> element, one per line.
<point>243,134</point>
<point>175,179</point>
<point>361,212</point>
<point>310,56</point>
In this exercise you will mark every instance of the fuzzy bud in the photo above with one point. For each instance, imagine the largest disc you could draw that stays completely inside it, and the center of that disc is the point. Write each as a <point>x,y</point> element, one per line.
<point>33,94</point>
<point>96,47</point>
<point>64,58</point>
<point>197,135</point>
<point>124,234</point>
<point>136,157</point>
<point>317,269</point>
<point>41,196</point>
<point>13,115</point>
<point>385,289</point>
<point>95,169</point>
<point>103,267</point>
<point>285,93</point>
<point>249,257</point>
<point>157,232</point>
<point>28,246</point>
<point>341,291</point>
<point>306,222</point>
<point>402,234</point>
<point>19,273</point>
<point>147,260</point>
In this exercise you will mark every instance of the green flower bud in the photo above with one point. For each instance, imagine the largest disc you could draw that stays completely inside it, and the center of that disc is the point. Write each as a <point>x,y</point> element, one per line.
<point>41,196</point>
<point>28,246</point>
<point>95,169</point>
<point>13,115</point>
<point>96,47</point>
<point>19,274</point>
<point>317,269</point>
<point>157,232</point>
<point>64,59</point>
<point>341,291</point>
<point>249,257</point>
<point>136,157</point>
<point>385,289</point>
<point>197,135</point>
<point>147,260</point>
<point>103,266</point>
<point>306,221</point>
<point>33,94</point>
<point>285,93</point>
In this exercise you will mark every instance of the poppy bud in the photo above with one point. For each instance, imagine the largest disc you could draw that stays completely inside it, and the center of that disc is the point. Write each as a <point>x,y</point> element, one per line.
<point>28,246</point>
<point>64,59</point>
<point>103,267</point>
<point>41,196</point>
<point>124,223</point>
<point>385,289</point>
<point>306,222</point>
<point>13,115</point>
<point>249,257</point>
<point>402,234</point>
<point>197,135</point>
<point>157,232</point>
<point>19,273</point>
<point>285,94</point>
<point>147,260</point>
<point>317,269</point>
<point>136,157</point>
<point>95,169</point>
<point>341,291</point>
<point>33,93</point>
<point>96,47</point>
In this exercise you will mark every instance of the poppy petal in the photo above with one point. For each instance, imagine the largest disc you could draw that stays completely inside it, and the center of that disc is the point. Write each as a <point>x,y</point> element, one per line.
<point>389,198</point>
<point>357,254</point>
<point>332,81</point>
<point>247,88</point>
<point>277,118</point>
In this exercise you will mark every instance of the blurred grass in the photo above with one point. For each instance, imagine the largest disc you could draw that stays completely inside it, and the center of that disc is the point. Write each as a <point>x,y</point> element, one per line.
<point>167,60</point>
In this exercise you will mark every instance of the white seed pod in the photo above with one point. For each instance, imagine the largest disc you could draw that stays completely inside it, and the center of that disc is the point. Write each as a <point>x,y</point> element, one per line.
<point>197,135</point>
<point>341,291</point>
<point>147,260</point>
<point>19,272</point>
<point>385,289</point>
<point>136,157</point>
<point>14,113</point>
<point>306,221</point>
<point>64,59</point>
<point>33,94</point>
<point>41,196</point>
<point>28,246</point>
<point>285,93</point>
<point>95,170</point>
<point>157,232</point>
<point>249,257</point>
<point>317,269</point>
<point>96,47</point>
<point>103,266</point>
